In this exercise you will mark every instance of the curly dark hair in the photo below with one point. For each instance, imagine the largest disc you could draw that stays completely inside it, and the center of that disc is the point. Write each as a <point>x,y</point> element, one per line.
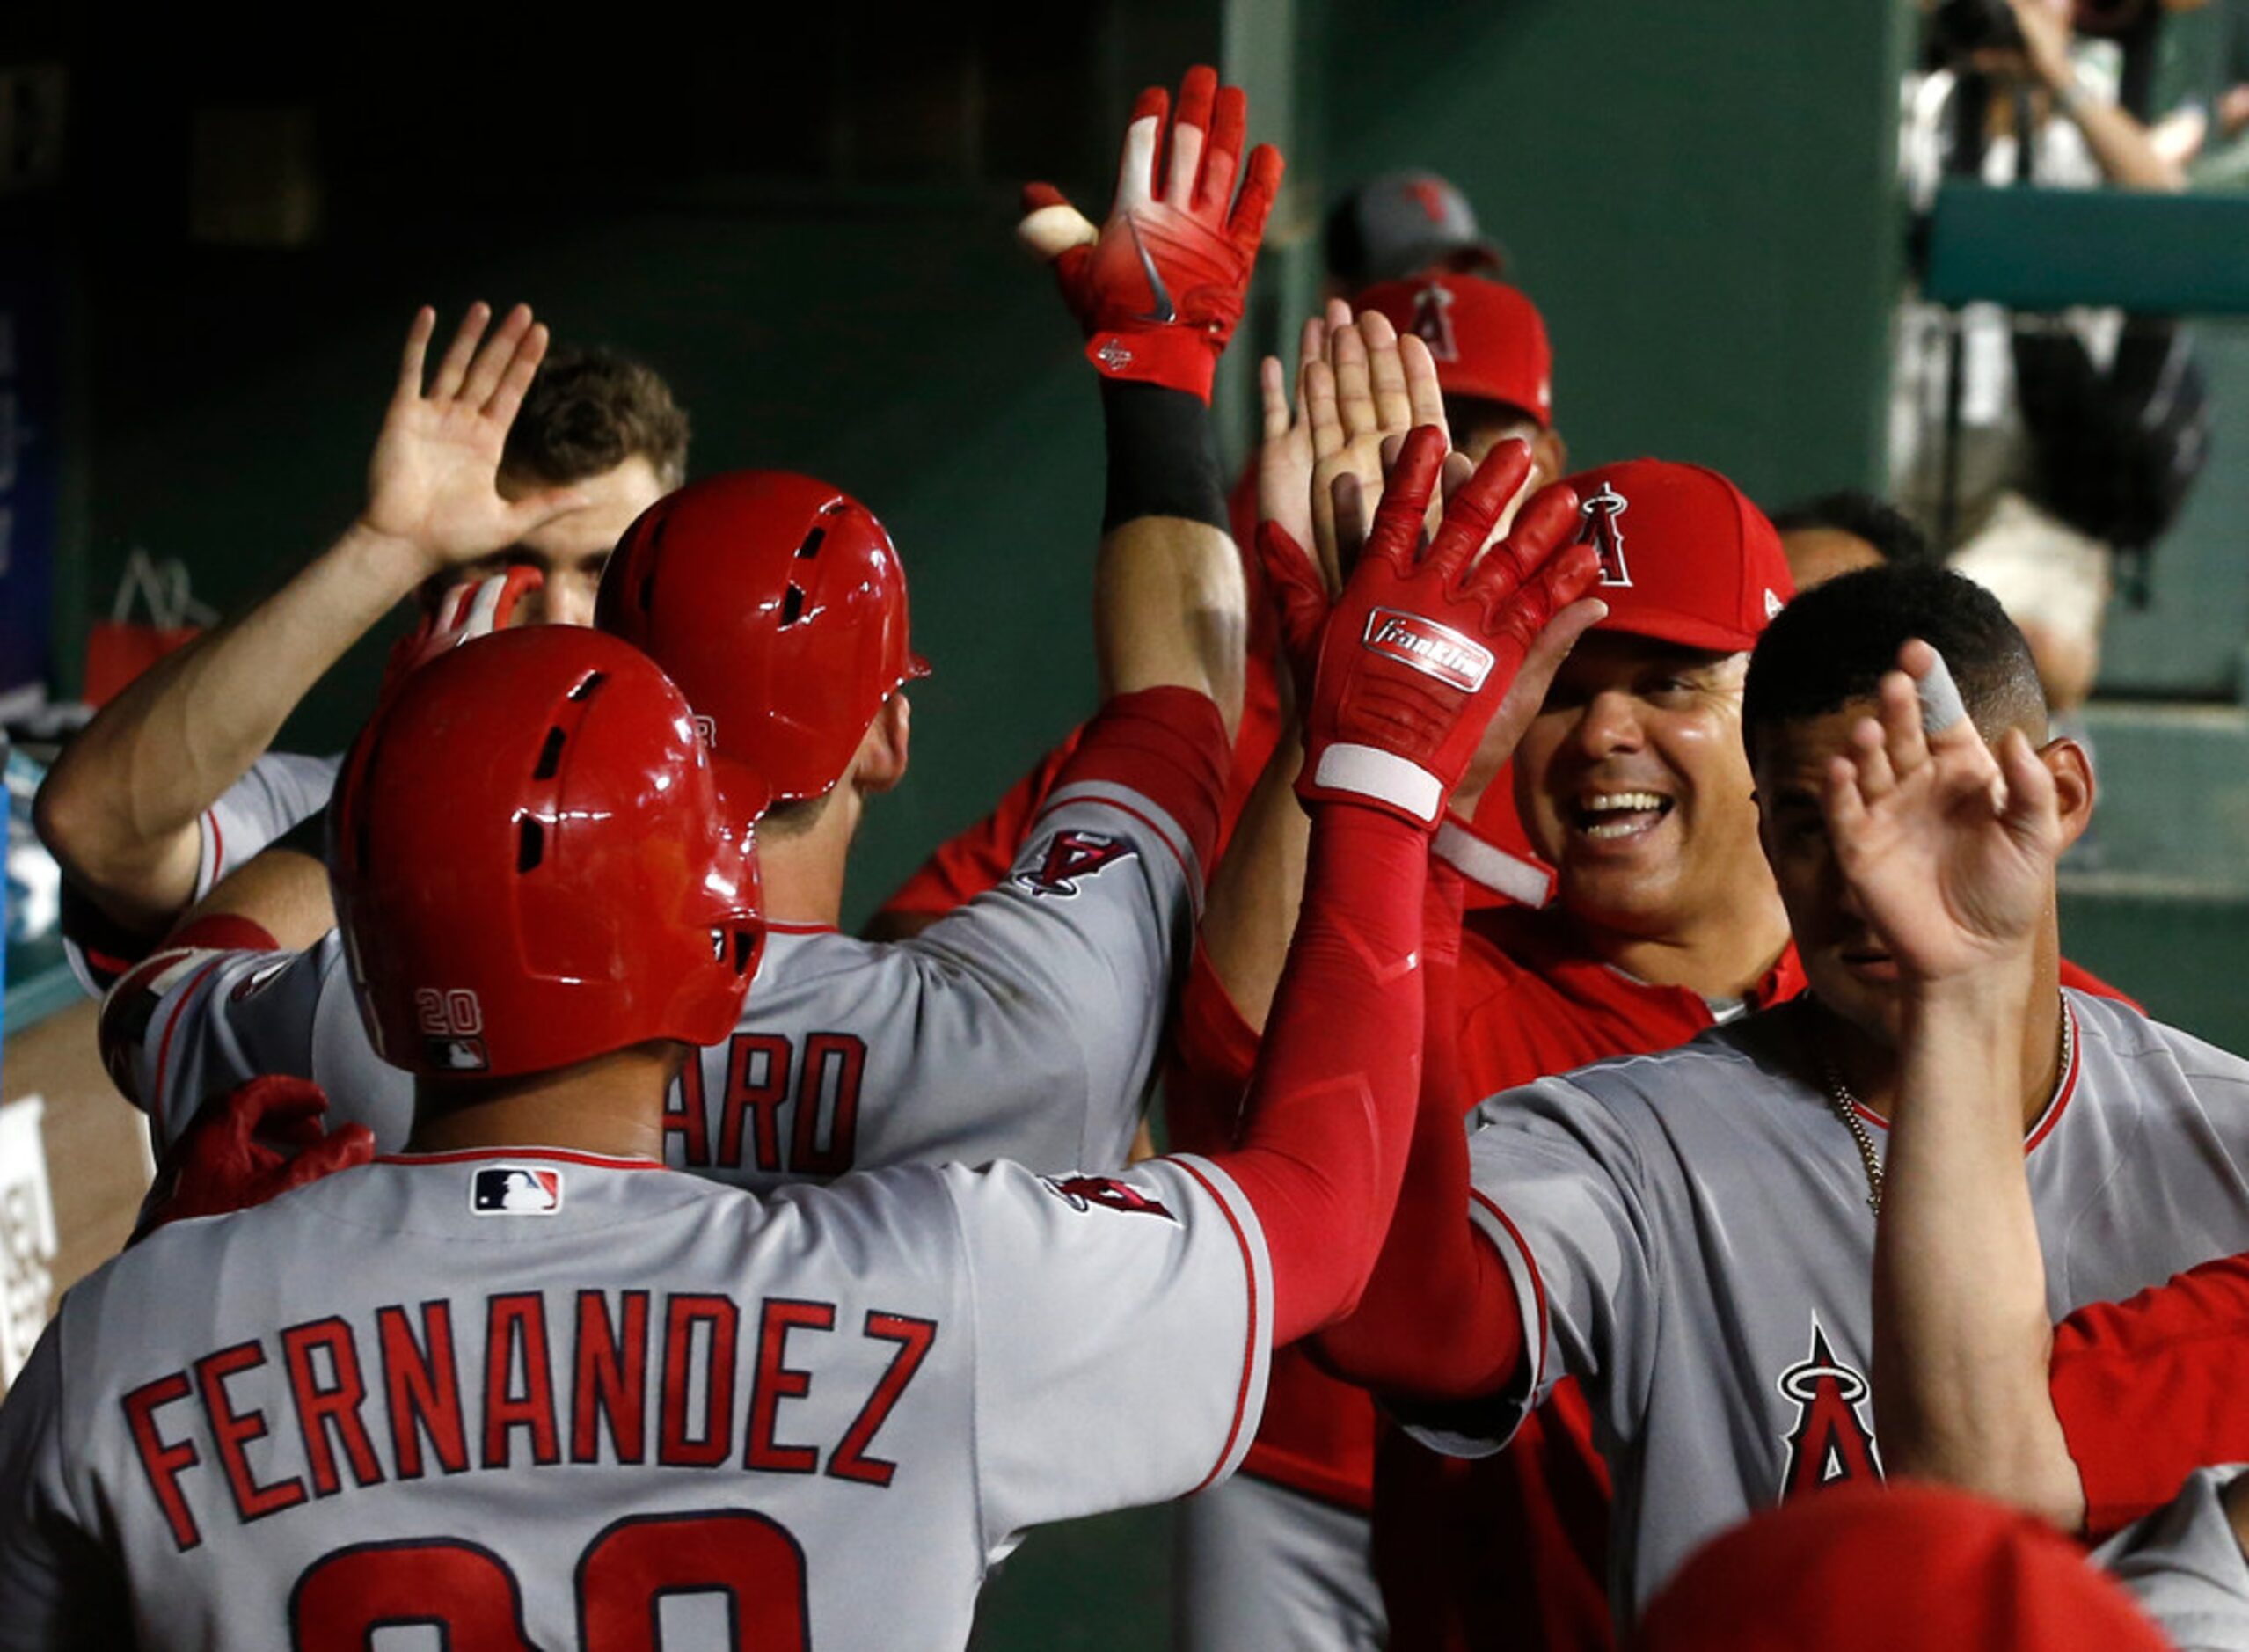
<point>590,410</point>
<point>1831,646</point>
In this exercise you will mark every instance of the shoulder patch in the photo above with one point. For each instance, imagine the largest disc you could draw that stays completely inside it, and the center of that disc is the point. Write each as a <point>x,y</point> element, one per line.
<point>1082,1193</point>
<point>1069,857</point>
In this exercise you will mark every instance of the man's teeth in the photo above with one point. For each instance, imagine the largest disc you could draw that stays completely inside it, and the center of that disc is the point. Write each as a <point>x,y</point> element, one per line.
<point>1629,805</point>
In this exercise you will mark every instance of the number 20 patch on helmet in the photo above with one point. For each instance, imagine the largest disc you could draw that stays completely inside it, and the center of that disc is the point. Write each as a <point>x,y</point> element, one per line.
<point>1432,649</point>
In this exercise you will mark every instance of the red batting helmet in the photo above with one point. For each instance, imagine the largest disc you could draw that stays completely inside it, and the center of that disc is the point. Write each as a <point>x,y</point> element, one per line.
<point>537,861</point>
<point>778,606</point>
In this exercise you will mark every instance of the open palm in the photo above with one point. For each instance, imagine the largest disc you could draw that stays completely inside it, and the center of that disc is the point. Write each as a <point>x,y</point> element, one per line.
<point>1949,849</point>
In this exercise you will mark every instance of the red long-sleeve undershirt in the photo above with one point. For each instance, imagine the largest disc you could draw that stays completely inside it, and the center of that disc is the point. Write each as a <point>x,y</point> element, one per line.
<point>1439,1319</point>
<point>1325,1126</point>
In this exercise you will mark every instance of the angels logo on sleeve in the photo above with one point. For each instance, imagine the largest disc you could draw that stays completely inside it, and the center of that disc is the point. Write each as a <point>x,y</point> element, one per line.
<point>1072,856</point>
<point>1082,1193</point>
<point>516,1190</point>
<point>1604,530</point>
<point>1830,1442</point>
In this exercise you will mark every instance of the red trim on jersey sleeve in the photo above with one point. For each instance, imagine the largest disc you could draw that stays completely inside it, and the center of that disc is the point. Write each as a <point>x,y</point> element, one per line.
<point>2066,1089</point>
<point>474,1155</point>
<point>1256,1332</point>
<point>1168,744</point>
<point>2149,1389</point>
<point>1535,1358</point>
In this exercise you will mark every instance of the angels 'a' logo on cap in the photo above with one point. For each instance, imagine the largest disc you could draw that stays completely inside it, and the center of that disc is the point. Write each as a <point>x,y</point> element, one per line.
<point>1433,322</point>
<point>516,1190</point>
<point>1602,527</point>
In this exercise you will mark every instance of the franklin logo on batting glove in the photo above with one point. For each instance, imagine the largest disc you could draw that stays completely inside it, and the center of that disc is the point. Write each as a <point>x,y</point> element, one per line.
<point>1435,650</point>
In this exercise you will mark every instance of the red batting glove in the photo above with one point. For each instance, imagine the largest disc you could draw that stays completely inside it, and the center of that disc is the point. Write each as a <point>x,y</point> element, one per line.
<point>1300,600</point>
<point>472,608</point>
<point>262,1140</point>
<point>1423,643</point>
<point>1159,287</point>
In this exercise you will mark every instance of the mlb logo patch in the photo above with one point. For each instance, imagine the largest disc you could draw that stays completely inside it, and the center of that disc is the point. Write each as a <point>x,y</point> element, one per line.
<point>456,1055</point>
<point>516,1190</point>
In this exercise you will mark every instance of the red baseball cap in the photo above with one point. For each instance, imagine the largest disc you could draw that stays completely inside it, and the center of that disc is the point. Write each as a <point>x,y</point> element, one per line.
<point>1488,339</point>
<point>1866,1568</point>
<point>1685,557</point>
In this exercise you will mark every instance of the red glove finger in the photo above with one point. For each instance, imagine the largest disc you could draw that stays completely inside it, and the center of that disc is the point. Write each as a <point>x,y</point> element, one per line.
<point>1189,140</point>
<point>1537,546</point>
<point>1300,598</point>
<point>1396,536</point>
<point>1246,228</point>
<point>1475,509</point>
<point>344,1148</point>
<point>1222,152</point>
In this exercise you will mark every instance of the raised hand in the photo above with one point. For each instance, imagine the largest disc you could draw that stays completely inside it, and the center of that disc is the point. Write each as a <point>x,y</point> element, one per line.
<point>433,483</point>
<point>1949,849</point>
<point>1359,390</point>
<point>1429,634</point>
<point>1159,287</point>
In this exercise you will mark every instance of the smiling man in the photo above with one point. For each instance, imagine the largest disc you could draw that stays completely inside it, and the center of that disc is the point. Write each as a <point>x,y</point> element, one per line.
<point>1630,781</point>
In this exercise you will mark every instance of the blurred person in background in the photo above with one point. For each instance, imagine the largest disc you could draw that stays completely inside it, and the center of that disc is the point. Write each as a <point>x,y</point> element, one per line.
<point>1844,531</point>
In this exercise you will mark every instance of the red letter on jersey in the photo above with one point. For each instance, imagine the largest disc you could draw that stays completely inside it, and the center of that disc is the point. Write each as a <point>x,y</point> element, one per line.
<point>163,1460</point>
<point>845,1056</point>
<point>515,1333</point>
<point>612,1384</point>
<point>683,1115</point>
<point>776,1382</point>
<point>767,1055</point>
<point>319,1410</point>
<point>232,1431</point>
<point>722,1323</point>
<point>424,1386</point>
<point>849,1460</point>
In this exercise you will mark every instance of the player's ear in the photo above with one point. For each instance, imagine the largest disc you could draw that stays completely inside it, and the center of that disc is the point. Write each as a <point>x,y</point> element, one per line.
<point>881,762</point>
<point>2072,771</point>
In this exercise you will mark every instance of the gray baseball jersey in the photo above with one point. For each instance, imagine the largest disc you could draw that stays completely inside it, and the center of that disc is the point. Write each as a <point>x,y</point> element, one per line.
<point>1024,1026</point>
<point>1688,1234</point>
<point>2184,1565</point>
<point>544,1399</point>
<point>281,791</point>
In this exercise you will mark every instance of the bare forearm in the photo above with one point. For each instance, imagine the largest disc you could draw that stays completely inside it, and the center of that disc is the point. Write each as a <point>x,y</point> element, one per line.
<point>2126,150</point>
<point>1259,889</point>
<point>119,809</point>
<point>1963,1335</point>
<point>284,892</point>
<point>1170,604</point>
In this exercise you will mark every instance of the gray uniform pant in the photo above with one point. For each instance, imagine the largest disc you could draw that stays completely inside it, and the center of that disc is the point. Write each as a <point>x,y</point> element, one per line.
<point>1258,1568</point>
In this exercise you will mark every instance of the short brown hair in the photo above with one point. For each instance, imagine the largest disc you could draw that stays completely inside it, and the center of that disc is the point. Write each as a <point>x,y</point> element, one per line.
<point>590,410</point>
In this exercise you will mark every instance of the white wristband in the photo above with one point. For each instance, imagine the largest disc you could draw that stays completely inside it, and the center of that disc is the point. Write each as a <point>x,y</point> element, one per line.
<point>1373,772</point>
<point>1491,867</point>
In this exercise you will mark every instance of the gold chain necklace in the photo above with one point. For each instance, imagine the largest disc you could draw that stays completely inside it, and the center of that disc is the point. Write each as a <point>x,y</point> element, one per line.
<point>1845,1106</point>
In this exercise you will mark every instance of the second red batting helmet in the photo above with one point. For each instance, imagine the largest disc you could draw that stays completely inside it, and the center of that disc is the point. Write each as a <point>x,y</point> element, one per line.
<point>777,604</point>
<point>537,861</point>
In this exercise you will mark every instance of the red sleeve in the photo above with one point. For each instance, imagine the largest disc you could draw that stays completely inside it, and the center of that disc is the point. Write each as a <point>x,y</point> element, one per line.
<point>965,866</point>
<point>1208,1062</point>
<point>1168,744</point>
<point>2148,1389</point>
<point>1325,1127</point>
<point>1435,1269</point>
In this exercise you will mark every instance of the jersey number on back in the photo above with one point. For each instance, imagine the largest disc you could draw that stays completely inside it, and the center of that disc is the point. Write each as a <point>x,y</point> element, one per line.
<point>470,1596</point>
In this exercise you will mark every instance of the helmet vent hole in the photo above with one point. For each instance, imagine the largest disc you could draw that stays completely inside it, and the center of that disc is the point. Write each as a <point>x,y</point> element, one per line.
<point>550,757</point>
<point>647,590</point>
<point>745,949</point>
<point>793,604</point>
<point>530,844</point>
<point>810,548</point>
<point>585,691</point>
